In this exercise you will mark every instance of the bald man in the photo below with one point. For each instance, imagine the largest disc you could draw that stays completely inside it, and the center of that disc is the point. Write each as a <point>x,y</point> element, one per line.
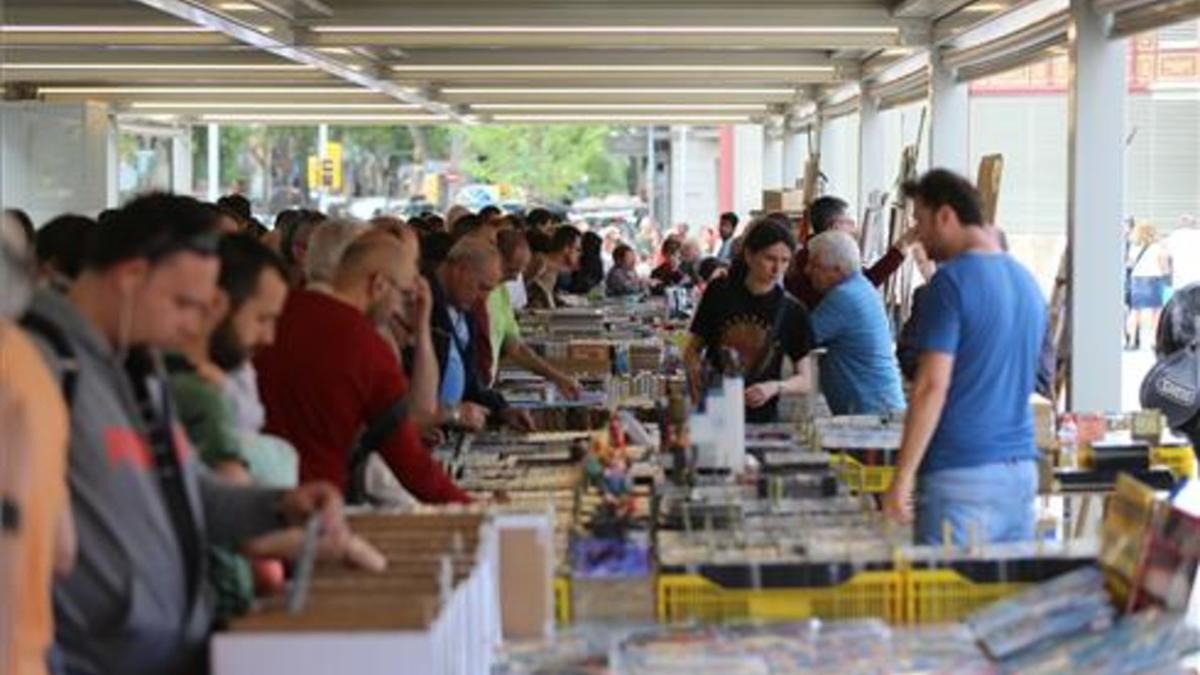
<point>461,282</point>
<point>330,374</point>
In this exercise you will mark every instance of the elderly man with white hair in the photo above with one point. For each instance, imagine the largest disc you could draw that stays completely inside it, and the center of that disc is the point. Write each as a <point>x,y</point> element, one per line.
<point>859,373</point>
<point>325,248</point>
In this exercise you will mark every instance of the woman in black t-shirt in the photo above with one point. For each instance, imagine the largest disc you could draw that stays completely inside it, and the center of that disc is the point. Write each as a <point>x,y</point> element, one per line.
<point>748,313</point>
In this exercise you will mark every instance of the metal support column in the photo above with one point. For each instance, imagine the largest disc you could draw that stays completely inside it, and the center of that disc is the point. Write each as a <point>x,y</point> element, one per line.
<point>793,157</point>
<point>1096,96</point>
<point>181,163</point>
<point>949,119</point>
<point>214,162</point>
<point>772,158</point>
<point>871,171</point>
<point>651,173</point>
<point>678,182</point>
<point>322,155</point>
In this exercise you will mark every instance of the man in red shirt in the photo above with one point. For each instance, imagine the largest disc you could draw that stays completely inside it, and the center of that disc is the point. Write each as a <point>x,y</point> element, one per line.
<point>330,374</point>
<point>830,213</point>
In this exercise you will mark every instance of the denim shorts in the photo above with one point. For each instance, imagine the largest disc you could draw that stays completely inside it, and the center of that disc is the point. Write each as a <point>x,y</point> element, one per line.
<point>985,504</point>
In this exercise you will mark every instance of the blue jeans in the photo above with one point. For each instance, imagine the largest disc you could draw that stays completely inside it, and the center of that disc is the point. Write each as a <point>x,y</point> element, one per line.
<point>990,503</point>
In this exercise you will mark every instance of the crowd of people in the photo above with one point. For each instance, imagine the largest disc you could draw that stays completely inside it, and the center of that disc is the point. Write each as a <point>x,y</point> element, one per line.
<point>974,347</point>
<point>184,388</point>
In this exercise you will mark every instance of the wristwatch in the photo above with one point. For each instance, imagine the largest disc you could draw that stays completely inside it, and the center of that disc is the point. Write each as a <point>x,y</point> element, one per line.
<point>455,416</point>
<point>10,515</point>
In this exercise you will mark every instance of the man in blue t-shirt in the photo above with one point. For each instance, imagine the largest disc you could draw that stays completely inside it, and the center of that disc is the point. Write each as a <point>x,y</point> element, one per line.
<point>858,373</point>
<point>968,448</point>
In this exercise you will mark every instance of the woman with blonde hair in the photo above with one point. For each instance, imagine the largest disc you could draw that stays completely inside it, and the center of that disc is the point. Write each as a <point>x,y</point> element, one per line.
<point>1146,271</point>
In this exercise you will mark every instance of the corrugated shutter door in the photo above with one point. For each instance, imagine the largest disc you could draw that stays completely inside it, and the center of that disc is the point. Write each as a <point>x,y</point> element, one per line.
<point>1163,169</point>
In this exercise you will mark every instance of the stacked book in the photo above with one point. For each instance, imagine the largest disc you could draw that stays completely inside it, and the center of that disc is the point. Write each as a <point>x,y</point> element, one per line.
<point>434,610</point>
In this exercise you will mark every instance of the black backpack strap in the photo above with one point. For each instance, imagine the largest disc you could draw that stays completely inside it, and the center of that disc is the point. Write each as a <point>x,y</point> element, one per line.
<point>371,439</point>
<point>54,336</point>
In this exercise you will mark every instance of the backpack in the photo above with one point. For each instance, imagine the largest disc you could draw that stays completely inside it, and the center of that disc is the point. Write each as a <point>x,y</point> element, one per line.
<point>1173,386</point>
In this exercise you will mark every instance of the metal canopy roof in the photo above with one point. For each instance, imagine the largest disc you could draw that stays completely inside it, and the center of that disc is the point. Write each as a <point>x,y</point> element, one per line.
<point>374,61</point>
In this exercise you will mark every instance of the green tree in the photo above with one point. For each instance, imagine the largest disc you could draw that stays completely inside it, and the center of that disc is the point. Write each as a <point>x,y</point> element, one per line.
<point>550,162</point>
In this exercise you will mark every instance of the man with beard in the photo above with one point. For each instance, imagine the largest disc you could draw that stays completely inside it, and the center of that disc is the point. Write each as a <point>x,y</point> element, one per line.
<point>967,457</point>
<point>331,375</point>
<point>240,319</point>
<point>137,601</point>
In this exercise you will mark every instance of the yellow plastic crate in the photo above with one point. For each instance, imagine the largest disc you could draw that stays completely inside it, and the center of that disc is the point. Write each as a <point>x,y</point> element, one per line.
<point>860,478</point>
<point>1180,459</point>
<point>562,600</point>
<point>944,595</point>
<point>686,597</point>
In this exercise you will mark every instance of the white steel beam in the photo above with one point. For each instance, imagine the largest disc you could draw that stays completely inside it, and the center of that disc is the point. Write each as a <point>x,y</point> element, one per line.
<point>458,59</point>
<point>871,170</point>
<point>214,161</point>
<point>1095,185</point>
<point>949,118</point>
<point>600,24</point>
<point>108,36</point>
<point>280,41</point>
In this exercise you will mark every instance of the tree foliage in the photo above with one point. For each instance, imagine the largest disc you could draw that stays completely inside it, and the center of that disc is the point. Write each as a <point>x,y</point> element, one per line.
<point>550,161</point>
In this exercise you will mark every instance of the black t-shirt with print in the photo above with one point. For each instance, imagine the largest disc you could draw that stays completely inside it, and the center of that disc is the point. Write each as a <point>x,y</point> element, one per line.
<point>729,316</point>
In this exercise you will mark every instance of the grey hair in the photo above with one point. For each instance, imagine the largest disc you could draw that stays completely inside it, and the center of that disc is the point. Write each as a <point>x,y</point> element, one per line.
<point>473,252</point>
<point>327,245</point>
<point>835,248</point>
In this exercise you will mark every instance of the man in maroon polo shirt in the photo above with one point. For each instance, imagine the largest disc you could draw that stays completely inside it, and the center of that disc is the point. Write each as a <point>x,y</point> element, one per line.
<point>329,374</point>
<point>831,213</point>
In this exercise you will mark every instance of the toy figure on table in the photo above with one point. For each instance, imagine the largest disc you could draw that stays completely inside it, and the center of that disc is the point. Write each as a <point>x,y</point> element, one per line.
<point>607,469</point>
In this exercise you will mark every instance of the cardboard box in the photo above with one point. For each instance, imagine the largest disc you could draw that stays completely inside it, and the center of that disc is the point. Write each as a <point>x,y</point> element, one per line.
<point>782,200</point>
<point>527,576</point>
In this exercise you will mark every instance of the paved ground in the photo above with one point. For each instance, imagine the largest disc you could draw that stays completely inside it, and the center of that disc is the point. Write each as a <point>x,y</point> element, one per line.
<point>1134,366</point>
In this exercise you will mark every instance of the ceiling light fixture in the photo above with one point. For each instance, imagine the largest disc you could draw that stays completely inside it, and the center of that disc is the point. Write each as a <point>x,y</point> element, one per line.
<point>228,105</point>
<point>678,30</point>
<point>245,91</point>
<point>73,28</point>
<point>239,7</point>
<point>632,119</point>
<point>595,67</point>
<point>538,91</point>
<point>692,107</point>
<point>249,118</point>
<point>159,66</point>
<point>983,7</point>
